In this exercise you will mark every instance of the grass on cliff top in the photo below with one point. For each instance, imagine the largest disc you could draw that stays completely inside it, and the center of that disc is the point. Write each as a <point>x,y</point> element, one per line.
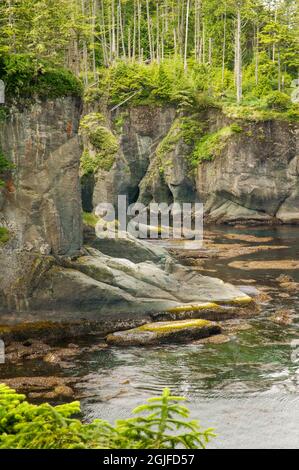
<point>258,113</point>
<point>26,76</point>
<point>275,105</point>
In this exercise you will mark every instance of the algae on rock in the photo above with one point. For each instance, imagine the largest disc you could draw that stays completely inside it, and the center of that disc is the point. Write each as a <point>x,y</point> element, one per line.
<point>164,332</point>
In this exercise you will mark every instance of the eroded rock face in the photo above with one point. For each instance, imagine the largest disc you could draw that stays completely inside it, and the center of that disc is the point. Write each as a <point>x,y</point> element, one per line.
<point>140,131</point>
<point>256,177</point>
<point>41,202</point>
<point>45,273</point>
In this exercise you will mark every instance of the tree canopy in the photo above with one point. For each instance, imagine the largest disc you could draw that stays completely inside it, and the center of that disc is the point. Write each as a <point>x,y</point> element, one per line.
<point>255,40</point>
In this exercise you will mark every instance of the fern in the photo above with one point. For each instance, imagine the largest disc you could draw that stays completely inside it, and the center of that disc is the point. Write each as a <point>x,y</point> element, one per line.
<point>165,426</point>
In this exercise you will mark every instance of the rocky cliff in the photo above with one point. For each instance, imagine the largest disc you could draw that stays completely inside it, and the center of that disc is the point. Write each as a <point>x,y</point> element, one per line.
<point>255,178</point>
<point>41,203</point>
<point>244,171</point>
<point>45,271</point>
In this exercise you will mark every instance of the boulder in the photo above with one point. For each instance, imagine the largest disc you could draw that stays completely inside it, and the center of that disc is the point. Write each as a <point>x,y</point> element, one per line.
<point>124,245</point>
<point>164,332</point>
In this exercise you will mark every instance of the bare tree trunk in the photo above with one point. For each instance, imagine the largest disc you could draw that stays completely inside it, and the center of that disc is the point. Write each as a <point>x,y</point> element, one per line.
<point>274,47</point>
<point>11,26</point>
<point>117,32</point>
<point>223,48</point>
<point>93,32</point>
<point>257,54</point>
<point>164,28</point>
<point>186,34</point>
<point>279,70</point>
<point>210,51</point>
<point>85,53</point>
<point>238,58</point>
<point>158,32</point>
<point>139,11</point>
<point>113,43</point>
<point>129,43</point>
<point>103,34</point>
<point>182,28</point>
<point>122,31</point>
<point>134,31</point>
<point>197,30</point>
<point>203,43</point>
<point>149,32</point>
<point>175,39</point>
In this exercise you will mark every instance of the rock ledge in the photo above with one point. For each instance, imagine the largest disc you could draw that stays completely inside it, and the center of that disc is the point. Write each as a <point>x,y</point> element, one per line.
<point>164,332</point>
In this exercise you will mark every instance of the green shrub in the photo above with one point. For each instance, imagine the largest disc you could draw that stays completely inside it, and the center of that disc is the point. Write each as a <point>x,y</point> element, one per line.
<point>4,235</point>
<point>161,424</point>
<point>90,219</point>
<point>3,113</point>
<point>293,113</point>
<point>102,144</point>
<point>198,88</point>
<point>278,101</point>
<point>25,75</point>
<point>5,165</point>
<point>211,145</point>
<point>166,83</point>
<point>236,128</point>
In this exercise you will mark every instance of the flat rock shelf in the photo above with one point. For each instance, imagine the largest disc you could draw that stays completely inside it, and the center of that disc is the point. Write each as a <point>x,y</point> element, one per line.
<point>164,332</point>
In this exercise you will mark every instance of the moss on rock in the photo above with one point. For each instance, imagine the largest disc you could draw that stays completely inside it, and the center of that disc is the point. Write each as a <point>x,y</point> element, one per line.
<point>4,235</point>
<point>168,327</point>
<point>211,145</point>
<point>102,145</point>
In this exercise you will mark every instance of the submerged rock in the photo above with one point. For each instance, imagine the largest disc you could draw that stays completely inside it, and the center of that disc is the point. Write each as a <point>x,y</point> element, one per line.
<point>269,264</point>
<point>164,332</point>
<point>27,350</point>
<point>43,387</point>
<point>217,339</point>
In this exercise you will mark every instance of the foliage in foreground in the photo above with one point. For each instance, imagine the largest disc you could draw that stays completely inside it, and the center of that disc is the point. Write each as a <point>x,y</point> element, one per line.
<point>162,423</point>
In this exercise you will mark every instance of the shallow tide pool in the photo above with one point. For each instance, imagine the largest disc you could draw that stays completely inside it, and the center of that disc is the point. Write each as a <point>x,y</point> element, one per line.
<point>247,388</point>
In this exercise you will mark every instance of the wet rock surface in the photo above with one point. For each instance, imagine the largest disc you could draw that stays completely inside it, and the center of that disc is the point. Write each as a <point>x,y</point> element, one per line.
<point>164,332</point>
<point>43,387</point>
